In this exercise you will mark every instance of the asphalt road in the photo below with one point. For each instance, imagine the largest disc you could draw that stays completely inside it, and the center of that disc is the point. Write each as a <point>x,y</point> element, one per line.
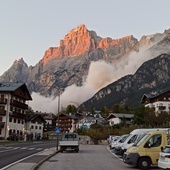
<point>90,157</point>
<point>14,152</point>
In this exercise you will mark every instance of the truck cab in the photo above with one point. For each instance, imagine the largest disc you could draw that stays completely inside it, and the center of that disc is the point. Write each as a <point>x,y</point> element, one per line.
<point>146,151</point>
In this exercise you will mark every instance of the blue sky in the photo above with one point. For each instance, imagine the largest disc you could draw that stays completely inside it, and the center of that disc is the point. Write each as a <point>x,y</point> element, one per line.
<point>29,28</point>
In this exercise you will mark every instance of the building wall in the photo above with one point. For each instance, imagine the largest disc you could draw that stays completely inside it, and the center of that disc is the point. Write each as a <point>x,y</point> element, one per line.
<point>11,126</point>
<point>160,106</point>
<point>114,121</point>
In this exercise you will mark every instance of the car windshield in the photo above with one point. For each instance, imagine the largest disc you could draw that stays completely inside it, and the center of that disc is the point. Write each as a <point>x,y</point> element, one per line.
<point>70,136</point>
<point>166,149</point>
<point>124,138</point>
<point>141,140</point>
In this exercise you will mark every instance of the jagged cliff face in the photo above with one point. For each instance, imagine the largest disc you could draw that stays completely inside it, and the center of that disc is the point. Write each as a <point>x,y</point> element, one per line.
<point>153,75</point>
<point>69,63</point>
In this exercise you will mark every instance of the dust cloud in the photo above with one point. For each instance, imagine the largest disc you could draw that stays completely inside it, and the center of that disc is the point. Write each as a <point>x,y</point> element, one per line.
<point>100,74</point>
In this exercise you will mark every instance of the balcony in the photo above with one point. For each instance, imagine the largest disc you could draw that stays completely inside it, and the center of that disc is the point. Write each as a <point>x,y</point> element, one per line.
<point>17,115</point>
<point>18,104</point>
<point>3,101</point>
<point>3,112</point>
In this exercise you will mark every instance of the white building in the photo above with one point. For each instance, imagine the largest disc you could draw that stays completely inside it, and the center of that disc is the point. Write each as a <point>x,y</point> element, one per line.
<point>13,107</point>
<point>14,117</point>
<point>117,118</point>
<point>158,102</point>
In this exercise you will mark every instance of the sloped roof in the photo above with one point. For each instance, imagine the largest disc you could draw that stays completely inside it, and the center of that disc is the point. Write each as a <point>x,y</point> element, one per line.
<point>9,86</point>
<point>70,116</point>
<point>31,117</point>
<point>152,96</point>
<point>120,115</point>
<point>12,87</point>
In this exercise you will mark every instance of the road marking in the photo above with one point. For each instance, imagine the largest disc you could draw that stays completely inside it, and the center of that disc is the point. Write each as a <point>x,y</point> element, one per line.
<point>4,168</point>
<point>114,154</point>
<point>38,149</point>
<point>24,148</point>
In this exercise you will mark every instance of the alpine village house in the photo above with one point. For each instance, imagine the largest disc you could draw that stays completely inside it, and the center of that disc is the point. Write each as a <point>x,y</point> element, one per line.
<point>15,119</point>
<point>13,112</point>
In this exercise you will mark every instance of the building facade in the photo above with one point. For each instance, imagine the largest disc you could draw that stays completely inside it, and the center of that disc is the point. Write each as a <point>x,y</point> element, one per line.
<point>158,102</point>
<point>117,118</point>
<point>13,107</point>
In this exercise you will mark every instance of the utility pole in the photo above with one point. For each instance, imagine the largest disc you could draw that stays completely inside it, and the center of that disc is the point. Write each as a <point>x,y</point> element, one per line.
<point>58,120</point>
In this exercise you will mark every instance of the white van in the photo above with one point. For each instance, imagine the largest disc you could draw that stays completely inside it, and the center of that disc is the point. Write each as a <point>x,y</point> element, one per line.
<point>120,140</point>
<point>133,138</point>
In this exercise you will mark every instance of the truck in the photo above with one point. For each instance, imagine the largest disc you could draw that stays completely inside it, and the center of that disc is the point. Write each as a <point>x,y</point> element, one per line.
<point>134,136</point>
<point>69,141</point>
<point>146,151</point>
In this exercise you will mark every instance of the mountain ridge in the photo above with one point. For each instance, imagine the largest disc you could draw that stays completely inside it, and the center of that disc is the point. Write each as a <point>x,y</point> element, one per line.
<point>69,63</point>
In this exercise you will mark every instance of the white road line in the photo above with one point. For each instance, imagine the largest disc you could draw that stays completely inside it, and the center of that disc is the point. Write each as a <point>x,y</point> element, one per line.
<point>113,154</point>
<point>8,150</point>
<point>4,168</point>
<point>31,148</point>
<point>24,148</point>
<point>38,149</point>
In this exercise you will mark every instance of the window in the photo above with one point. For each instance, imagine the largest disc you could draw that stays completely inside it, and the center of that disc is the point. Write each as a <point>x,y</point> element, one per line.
<point>39,127</point>
<point>0,131</point>
<point>35,127</point>
<point>2,107</point>
<point>32,127</point>
<point>10,119</point>
<point>18,121</point>
<point>2,96</point>
<point>70,136</point>
<point>0,119</point>
<point>154,141</point>
<point>15,120</point>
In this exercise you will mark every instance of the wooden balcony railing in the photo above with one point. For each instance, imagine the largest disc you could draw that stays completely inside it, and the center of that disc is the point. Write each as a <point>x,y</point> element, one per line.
<point>3,112</point>
<point>18,104</point>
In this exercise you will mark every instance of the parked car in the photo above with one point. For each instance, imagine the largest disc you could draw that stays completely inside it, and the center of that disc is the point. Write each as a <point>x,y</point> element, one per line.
<point>118,141</point>
<point>110,138</point>
<point>164,158</point>
<point>114,139</point>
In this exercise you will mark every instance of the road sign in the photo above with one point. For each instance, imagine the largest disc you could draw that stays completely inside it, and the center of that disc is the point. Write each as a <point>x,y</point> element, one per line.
<point>57,130</point>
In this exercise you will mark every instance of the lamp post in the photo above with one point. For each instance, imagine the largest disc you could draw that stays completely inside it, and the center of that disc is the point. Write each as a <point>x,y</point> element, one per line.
<point>168,124</point>
<point>58,120</point>
<point>57,129</point>
<point>7,117</point>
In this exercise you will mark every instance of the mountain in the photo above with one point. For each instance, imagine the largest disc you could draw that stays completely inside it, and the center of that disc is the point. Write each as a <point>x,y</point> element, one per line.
<point>69,63</point>
<point>152,76</point>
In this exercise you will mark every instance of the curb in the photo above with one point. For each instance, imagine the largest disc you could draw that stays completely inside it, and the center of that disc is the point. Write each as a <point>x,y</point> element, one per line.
<point>36,166</point>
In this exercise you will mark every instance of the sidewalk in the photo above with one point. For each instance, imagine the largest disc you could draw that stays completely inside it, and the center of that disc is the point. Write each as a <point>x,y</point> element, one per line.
<point>33,162</point>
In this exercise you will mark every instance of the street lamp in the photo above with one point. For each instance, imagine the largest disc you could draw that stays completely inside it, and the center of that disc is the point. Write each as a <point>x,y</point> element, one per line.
<point>57,129</point>
<point>58,120</point>
<point>168,124</point>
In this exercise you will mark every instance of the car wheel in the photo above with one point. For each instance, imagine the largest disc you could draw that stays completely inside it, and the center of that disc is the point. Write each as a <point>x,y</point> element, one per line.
<point>144,163</point>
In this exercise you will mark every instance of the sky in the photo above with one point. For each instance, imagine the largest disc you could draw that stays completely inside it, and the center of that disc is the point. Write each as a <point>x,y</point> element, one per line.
<point>29,28</point>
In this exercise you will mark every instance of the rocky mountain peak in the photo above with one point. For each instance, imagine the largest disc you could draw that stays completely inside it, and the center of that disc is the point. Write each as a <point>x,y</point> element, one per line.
<point>77,42</point>
<point>107,42</point>
<point>20,61</point>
